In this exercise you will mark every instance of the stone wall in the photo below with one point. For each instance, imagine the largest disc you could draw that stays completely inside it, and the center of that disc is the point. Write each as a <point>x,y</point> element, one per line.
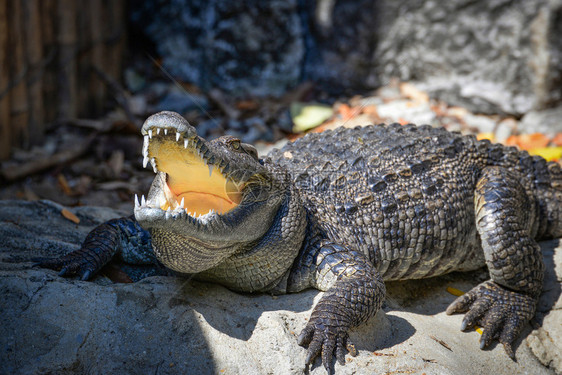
<point>492,56</point>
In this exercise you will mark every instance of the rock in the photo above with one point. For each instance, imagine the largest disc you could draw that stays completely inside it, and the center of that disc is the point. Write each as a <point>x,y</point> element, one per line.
<point>547,122</point>
<point>179,100</point>
<point>487,55</point>
<point>406,111</point>
<point>250,47</point>
<point>173,325</point>
<point>545,341</point>
<point>481,124</point>
<point>491,56</point>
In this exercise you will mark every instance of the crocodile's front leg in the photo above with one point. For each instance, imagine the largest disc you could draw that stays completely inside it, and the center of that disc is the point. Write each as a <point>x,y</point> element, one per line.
<point>354,293</point>
<point>123,236</point>
<point>505,218</point>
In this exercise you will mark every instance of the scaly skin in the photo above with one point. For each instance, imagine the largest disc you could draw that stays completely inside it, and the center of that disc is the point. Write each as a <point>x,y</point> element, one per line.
<point>342,211</point>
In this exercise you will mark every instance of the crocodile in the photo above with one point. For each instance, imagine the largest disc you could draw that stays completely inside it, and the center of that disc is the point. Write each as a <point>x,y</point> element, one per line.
<point>341,211</point>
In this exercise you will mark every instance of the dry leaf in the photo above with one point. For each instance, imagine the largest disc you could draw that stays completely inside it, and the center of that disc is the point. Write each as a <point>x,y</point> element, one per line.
<point>412,92</point>
<point>70,216</point>
<point>557,140</point>
<point>64,184</point>
<point>489,136</point>
<point>549,153</point>
<point>247,105</point>
<point>528,141</point>
<point>346,112</point>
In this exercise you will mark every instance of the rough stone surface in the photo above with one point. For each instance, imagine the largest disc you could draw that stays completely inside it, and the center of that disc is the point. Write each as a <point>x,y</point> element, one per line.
<point>545,341</point>
<point>490,56</point>
<point>548,121</point>
<point>245,47</point>
<point>172,325</point>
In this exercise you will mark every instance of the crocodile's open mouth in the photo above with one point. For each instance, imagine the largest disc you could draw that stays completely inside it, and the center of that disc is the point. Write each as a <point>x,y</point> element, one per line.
<point>193,180</point>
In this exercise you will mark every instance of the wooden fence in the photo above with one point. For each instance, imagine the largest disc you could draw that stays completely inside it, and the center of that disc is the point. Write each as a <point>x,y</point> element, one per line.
<point>52,54</point>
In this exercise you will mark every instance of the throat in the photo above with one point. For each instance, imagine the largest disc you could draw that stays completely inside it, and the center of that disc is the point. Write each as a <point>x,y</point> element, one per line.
<point>200,203</point>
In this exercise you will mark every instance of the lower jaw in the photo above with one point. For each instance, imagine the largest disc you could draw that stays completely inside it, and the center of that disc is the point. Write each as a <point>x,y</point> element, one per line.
<point>187,255</point>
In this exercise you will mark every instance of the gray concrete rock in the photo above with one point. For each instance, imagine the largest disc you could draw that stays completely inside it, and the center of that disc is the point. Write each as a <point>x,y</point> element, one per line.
<point>172,325</point>
<point>490,56</point>
<point>245,47</point>
<point>548,121</point>
<point>486,55</point>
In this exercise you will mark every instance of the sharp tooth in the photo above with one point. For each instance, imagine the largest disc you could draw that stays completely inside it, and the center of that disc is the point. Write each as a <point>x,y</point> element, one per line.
<point>143,201</point>
<point>182,202</point>
<point>210,169</point>
<point>153,162</point>
<point>185,143</point>
<point>166,131</point>
<point>145,146</point>
<point>145,161</point>
<point>150,134</point>
<point>137,204</point>
<point>177,136</point>
<point>157,131</point>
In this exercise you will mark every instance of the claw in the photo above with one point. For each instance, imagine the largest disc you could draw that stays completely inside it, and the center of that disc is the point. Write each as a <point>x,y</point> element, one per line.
<point>63,271</point>
<point>502,313</point>
<point>86,275</point>
<point>313,352</point>
<point>509,350</point>
<point>305,336</point>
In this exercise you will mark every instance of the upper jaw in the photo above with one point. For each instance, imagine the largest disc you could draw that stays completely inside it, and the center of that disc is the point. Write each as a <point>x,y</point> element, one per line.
<point>249,221</point>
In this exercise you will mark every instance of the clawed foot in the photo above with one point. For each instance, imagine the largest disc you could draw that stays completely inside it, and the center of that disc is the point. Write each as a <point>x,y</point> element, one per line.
<point>501,313</point>
<point>326,337</point>
<point>74,263</point>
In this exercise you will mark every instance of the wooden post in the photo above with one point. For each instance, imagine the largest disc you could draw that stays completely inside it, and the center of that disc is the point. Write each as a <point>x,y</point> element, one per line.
<point>96,87</point>
<point>49,81</point>
<point>5,131</point>
<point>19,110</point>
<point>67,43</point>
<point>47,51</point>
<point>34,57</point>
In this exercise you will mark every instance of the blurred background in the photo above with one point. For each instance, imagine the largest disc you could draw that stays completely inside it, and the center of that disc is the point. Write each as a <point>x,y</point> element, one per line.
<point>77,79</point>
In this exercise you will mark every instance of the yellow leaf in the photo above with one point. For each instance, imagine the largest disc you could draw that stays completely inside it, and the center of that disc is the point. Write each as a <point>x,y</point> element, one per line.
<point>549,153</point>
<point>459,293</point>
<point>70,216</point>
<point>489,136</point>
<point>454,291</point>
<point>307,116</point>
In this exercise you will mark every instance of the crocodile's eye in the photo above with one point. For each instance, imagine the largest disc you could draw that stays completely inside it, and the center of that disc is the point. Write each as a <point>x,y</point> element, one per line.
<point>250,150</point>
<point>235,144</point>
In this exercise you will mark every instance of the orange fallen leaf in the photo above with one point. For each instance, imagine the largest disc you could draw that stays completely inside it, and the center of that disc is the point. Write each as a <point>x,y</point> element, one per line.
<point>346,111</point>
<point>64,184</point>
<point>557,140</point>
<point>371,110</point>
<point>528,141</point>
<point>70,216</point>
<point>247,105</point>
